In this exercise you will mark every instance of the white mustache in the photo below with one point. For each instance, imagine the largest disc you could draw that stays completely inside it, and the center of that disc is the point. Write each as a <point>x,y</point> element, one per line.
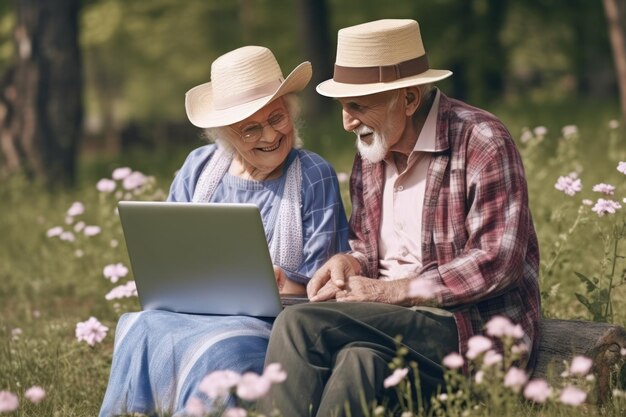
<point>363,130</point>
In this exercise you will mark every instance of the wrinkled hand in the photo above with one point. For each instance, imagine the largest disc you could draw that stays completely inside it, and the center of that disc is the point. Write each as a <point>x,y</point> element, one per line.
<point>359,288</point>
<point>331,277</point>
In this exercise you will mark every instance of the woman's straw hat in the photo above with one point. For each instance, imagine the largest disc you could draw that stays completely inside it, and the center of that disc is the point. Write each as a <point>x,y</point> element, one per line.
<point>379,56</point>
<point>242,82</point>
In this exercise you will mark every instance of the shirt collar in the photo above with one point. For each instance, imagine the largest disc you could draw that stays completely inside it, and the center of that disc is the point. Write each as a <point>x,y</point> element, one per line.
<point>427,139</point>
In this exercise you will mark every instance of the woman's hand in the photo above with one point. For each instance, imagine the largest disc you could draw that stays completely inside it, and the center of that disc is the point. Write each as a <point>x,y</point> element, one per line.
<point>285,285</point>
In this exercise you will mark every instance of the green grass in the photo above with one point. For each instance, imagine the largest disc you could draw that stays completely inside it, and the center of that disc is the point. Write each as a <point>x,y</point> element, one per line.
<point>46,288</point>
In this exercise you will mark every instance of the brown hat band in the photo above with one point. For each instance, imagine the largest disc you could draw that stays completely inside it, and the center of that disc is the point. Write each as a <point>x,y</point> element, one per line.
<point>380,74</point>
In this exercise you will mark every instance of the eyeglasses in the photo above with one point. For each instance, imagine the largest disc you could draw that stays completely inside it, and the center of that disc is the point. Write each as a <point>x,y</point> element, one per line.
<point>252,132</point>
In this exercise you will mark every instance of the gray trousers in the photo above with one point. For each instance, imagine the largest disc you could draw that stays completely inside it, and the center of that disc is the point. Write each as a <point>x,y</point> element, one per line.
<point>335,353</point>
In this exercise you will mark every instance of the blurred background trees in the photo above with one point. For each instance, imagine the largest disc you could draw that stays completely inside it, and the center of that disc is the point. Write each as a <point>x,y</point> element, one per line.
<point>136,59</point>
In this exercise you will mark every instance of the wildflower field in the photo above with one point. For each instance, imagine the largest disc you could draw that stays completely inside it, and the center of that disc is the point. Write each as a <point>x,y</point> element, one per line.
<point>66,279</point>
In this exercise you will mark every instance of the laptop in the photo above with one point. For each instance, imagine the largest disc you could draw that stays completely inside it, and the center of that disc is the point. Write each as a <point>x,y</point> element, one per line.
<point>201,258</point>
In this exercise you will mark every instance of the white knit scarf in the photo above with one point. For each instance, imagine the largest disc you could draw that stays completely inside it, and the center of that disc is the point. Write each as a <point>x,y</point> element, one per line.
<point>285,241</point>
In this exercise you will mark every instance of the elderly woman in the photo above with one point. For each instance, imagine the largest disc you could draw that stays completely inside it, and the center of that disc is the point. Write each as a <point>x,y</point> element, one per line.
<point>249,110</point>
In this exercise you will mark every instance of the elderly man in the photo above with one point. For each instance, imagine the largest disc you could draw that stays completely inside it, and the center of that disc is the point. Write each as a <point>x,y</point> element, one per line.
<point>439,205</point>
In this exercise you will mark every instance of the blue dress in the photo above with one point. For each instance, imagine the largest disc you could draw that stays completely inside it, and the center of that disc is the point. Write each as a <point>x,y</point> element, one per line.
<point>160,357</point>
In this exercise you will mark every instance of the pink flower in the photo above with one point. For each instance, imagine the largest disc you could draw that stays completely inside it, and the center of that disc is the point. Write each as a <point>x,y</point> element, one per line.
<point>275,373</point>
<point>395,378</point>
<point>8,402</point>
<point>16,333</point>
<point>623,351</point>
<point>35,394</point>
<point>55,231</point>
<point>194,407</point>
<point>343,177</point>
<point>91,230</point>
<point>122,291</point>
<point>613,124</point>
<point>621,167</point>
<point>569,131</point>
<point>422,288</point>
<point>91,331</point>
<point>134,180</point>
<point>121,173</point>
<point>500,326</point>
<point>78,227</point>
<point>581,365</point>
<point>76,209</point>
<point>476,345</point>
<point>540,131</point>
<point>607,189</point>
<point>67,236</point>
<point>537,390</point>
<point>572,396</point>
<point>515,379</point>
<point>115,271</point>
<point>491,358</point>
<point>219,383</point>
<point>479,377</point>
<point>106,185</point>
<point>235,412</point>
<point>252,386</point>
<point>606,206</point>
<point>568,185</point>
<point>453,361</point>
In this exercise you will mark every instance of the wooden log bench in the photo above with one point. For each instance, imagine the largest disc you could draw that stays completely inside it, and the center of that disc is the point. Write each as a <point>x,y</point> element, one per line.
<point>602,342</point>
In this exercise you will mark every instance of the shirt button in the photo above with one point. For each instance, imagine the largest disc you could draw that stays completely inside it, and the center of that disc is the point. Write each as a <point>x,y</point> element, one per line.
<point>405,253</point>
<point>399,188</point>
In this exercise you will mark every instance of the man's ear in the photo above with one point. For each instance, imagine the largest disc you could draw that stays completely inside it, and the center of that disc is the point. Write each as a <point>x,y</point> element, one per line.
<point>412,100</point>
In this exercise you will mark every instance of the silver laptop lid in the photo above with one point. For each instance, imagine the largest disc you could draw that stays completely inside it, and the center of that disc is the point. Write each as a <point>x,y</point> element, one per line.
<point>202,258</point>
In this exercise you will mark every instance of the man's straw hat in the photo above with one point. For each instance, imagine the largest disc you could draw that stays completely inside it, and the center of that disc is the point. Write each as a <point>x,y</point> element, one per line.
<point>379,56</point>
<point>242,82</point>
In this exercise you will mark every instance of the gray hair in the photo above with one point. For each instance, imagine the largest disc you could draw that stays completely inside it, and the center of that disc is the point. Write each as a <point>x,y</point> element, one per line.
<point>221,134</point>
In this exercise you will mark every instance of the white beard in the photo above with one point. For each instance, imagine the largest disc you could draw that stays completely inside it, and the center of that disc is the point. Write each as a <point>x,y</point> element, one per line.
<point>375,151</point>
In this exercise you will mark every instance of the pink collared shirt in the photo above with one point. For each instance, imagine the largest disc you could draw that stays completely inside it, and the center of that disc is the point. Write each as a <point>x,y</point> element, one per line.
<point>399,242</point>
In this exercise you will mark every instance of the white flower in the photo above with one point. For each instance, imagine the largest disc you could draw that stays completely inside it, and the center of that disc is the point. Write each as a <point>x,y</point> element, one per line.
<point>121,173</point>
<point>76,209</point>
<point>613,124</point>
<point>540,131</point>
<point>515,379</point>
<point>479,377</point>
<point>572,396</point>
<point>569,131</point>
<point>581,365</point>
<point>275,373</point>
<point>106,185</point>
<point>55,231</point>
<point>253,386</point>
<point>92,230</point>
<point>91,331</point>
<point>219,383</point>
<point>453,361</point>
<point>476,345</point>
<point>395,378</point>
<point>537,390</point>
<point>122,291</point>
<point>621,167</point>
<point>35,394</point>
<point>343,177</point>
<point>115,271</point>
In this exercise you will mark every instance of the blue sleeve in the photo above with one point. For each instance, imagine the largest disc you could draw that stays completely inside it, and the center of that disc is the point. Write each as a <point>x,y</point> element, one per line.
<point>324,222</point>
<point>184,183</point>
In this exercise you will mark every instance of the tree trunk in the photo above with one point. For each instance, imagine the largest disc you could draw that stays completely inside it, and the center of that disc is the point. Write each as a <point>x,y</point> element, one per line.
<point>43,118</point>
<point>314,35</point>
<point>614,15</point>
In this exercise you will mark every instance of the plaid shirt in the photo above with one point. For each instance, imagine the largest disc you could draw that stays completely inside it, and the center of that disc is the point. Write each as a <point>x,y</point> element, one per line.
<point>479,245</point>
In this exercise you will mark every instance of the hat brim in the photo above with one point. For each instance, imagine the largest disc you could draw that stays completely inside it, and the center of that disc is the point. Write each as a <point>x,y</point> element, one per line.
<point>199,100</point>
<point>331,88</point>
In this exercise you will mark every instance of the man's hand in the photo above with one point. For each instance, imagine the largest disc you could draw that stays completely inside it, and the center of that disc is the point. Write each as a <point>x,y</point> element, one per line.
<point>359,288</point>
<point>331,277</point>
